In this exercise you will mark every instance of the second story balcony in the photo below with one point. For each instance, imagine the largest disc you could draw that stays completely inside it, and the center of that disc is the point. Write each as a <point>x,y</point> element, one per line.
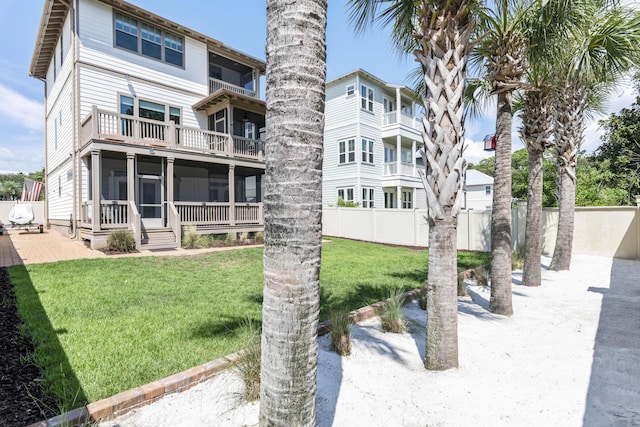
<point>402,168</point>
<point>109,126</point>
<point>395,117</point>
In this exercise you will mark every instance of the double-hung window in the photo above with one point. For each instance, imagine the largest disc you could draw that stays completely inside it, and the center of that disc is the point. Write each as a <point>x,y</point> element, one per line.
<point>366,98</point>
<point>346,194</point>
<point>407,199</point>
<point>148,40</point>
<point>367,151</point>
<point>347,151</point>
<point>367,197</point>
<point>487,189</point>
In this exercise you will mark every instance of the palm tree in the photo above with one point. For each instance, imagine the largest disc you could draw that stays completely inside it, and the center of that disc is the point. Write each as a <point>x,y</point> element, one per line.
<point>501,51</point>
<point>604,46</point>
<point>296,71</point>
<point>438,33</point>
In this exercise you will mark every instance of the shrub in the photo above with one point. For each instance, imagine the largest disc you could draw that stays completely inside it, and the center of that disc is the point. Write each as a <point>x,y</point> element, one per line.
<point>340,329</point>
<point>121,241</point>
<point>517,258</point>
<point>259,237</point>
<point>248,367</point>
<point>191,239</point>
<point>482,276</point>
<point>231,237</point>
<point>347,203</point>
<point>391,314</point>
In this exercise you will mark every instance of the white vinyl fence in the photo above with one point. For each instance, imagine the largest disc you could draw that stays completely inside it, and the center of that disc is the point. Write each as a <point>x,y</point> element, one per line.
<point>605,231</point>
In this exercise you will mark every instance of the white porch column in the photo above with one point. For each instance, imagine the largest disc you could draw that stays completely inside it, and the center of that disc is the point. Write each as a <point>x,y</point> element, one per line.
<point>398,154</point>
<point>95,190</point>
<point>414,157</point>
<point>170,161</point>
<point>398,106</point>
<point>232,195</point>
<point>131,178</point>
<point>399,197</point>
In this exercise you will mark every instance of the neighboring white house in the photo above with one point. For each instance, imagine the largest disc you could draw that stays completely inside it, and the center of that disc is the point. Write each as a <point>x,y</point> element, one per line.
<point>150,125</point>
<point>371,140</point>
<point>478,190</point>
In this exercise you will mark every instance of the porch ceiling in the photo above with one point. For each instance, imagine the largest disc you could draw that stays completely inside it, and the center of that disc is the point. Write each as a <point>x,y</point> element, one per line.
<point>223,96</point>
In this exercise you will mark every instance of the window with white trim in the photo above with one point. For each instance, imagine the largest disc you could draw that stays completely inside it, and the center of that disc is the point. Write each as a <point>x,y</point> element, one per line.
<point>59,186</point>
<point>351,89</point>
<point>368,194</point>
<point>366,98</point>
<point>367,151</point>
<point>487,189</point>
<point>407,199</point>
<point>346,194</point>
<point>347,151</point>
<point>55,133</point>
<point>148,40</point>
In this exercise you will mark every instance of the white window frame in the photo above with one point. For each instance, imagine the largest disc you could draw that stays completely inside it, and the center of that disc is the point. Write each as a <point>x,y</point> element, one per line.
<point>407,199</point>
<point>345,193</point>
<point>368,197</point>
<point>366,98</point>
<point>168,40</point>
<point>367,150</point>
<point>487,190</point>
<point>347,151</point>
<point>351,90</point>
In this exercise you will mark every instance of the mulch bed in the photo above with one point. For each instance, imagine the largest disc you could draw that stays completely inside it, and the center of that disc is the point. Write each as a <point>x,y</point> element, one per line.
<point>22,401</point>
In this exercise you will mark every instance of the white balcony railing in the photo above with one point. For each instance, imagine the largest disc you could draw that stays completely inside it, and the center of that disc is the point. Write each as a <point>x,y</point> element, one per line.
<point>216,213</point>
<point>215,84</point>
<point>105,125</point>
<point>391,118</point>
<point>407,169</point>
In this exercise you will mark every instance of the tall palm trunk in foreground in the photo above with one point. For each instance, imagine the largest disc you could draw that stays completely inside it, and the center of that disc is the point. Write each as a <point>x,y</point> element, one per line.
<point>572,103</point>
<point>500,301</point>
<point>296,71</point>
<point>536,131</point>
<point>444,44</point>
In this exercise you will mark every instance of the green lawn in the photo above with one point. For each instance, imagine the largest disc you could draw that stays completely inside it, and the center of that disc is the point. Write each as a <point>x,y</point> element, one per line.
<point>107,325</point>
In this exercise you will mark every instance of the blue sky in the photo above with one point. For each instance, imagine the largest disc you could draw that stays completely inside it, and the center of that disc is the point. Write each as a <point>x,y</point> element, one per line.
<point>239,24</point>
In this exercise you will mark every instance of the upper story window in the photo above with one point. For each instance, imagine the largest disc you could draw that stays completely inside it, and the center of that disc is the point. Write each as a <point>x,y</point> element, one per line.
<point>347,150</point>
<point>366,98</point>
<point>367,151</point>
<point>148,40</point>
<point>406,156</point>
<point>487,189</point>
<point>351,89</point>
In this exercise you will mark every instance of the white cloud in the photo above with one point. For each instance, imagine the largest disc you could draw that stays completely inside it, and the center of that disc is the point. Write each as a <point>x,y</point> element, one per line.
<point>25,111</point>
<point>474,151</point>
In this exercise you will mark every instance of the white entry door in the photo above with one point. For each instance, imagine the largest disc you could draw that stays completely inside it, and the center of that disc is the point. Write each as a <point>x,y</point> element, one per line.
<point>151,201</point>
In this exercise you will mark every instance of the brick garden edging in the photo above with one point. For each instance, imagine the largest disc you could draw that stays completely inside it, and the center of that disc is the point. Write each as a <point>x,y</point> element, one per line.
<point>126,401</point>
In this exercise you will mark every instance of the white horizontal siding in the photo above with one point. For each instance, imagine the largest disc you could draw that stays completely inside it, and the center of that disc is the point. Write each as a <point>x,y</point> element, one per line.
<point>103,89</point>
<point>97,48</point>
<point>340,109</point>
<point>63,64</point>
<point>60,194</point>
<point>59,123</point>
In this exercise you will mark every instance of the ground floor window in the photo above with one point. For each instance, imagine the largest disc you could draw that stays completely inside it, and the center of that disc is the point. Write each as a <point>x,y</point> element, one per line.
<point>407,199</point>
<point>345,194</point>
<point>389,199</point>
<point>367,197</point>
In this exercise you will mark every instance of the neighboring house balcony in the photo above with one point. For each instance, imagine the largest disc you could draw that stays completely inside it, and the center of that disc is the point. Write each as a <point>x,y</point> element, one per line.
<point>401,117</point>
<point>402,168</point>
<point>109,126</point>
<point>216,84</point>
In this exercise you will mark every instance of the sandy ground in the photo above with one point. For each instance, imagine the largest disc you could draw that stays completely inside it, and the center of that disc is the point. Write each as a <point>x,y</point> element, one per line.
<point>570,356</point>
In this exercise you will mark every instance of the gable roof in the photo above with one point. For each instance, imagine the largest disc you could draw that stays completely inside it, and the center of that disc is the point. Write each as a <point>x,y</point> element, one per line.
<point>371,77</point>
<point>475,177</point>
<point>54,13</point>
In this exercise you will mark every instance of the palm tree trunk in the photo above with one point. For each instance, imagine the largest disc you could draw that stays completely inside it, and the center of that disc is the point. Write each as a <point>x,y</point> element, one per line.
<point>569,135</point>
<point>442,315</point>
<point>566,212</point>
<point>296,71</point>
<point>531,275</point>
<point>500,301</point>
